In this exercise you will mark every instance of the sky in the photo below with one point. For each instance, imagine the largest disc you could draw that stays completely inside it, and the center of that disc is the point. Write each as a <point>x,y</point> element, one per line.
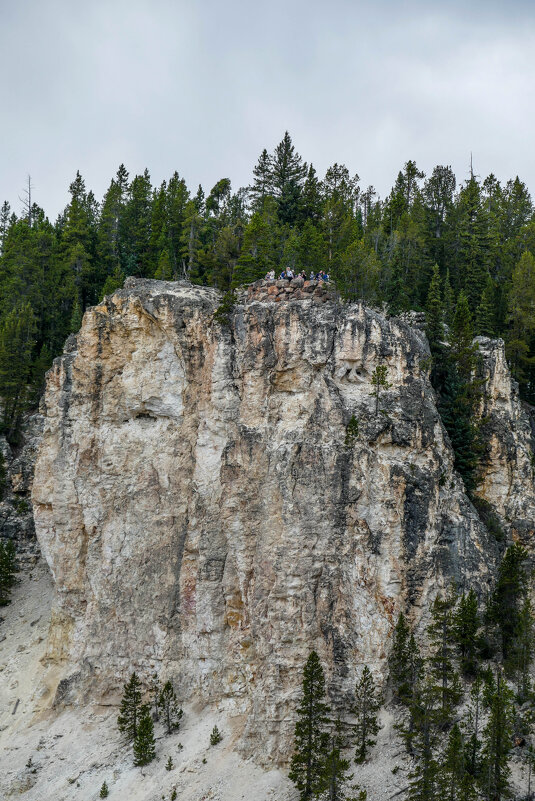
<point>202,86</point>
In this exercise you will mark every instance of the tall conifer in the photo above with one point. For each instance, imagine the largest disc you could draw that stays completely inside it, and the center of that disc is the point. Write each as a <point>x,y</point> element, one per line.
<point>311,745</point>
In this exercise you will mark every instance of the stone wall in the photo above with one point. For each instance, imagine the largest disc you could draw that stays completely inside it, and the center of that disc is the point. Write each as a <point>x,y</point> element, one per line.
<point>296,289</point>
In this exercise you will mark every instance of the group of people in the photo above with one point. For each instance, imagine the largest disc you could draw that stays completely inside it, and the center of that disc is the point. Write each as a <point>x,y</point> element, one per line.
<point>289,274</point>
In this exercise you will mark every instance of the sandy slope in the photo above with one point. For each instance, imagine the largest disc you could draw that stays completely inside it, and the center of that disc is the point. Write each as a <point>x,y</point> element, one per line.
<point>74,752</point>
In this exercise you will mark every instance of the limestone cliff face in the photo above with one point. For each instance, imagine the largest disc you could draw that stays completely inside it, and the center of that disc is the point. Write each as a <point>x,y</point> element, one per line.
<point>205,516</point>
<point>507,479</point>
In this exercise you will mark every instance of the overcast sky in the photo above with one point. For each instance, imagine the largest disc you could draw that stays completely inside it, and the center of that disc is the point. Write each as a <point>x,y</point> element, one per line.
<point>202,86</point>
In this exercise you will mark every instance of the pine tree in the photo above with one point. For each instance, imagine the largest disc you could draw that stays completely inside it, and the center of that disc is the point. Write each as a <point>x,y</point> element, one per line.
<point>129,714</point>
<point>434,326</point>
<point>441,638</point>
<point>288,174</point>
<point>8,570</point>
<point>76,316</point>
<point>263,181</point>
<point>365,710</point>
<point>466,625</point>
<point>16,349</point>
<point>472,727</point>
<point>380,383</point>
<point>404,662</point>
<point>167,702</point>
<point>497,739</point>
<point>258,254</point>
<point>169,765</point>
<point>113,283</point>
<point>427,717</point>
<point>522,650</point>
<point>449,300</point>
<point>486,311</point>
<point>337,778</point>
<point>104,792</point>
<point>144,744</point>
<point>454,781</point>
<point>164,271</point>
<point>311,745</point>
<point>460,393</point>
<point>215,736</point>
<point>507,599</point>
<point>521,319</point>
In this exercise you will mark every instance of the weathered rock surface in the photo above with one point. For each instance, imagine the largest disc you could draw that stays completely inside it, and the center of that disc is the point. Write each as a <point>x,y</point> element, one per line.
<point>507,477</point>
<point>204,514</point>
<point>16,514</point>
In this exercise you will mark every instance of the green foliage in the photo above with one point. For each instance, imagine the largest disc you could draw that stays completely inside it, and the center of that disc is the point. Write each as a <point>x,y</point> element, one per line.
<point>104,792</point>
<point>311,742</point>
<point>352,432</point>
<point>405,662</point>
<point>168,704</point>
<point>444,679</point>
<point>454,781</point>
<point>223,313</point>
<point>169,765</point>
<point>144,744</point>
<point>215,736</point>
<point>129,714</point>
<point>16,348</point>
<point>173,794</point>
<point>336,779</point>
<point>3,475</point>
<point>497,738</point>
<point>464,254</point>
<point>466,624</point>
<point>434,313</point>
<point>380,383</point>
<point>8,570</point>
<point>426,724</point>
<point>364,709</point>
<point>506,602</point>
<point>521,654</point>
<point>472,730</point>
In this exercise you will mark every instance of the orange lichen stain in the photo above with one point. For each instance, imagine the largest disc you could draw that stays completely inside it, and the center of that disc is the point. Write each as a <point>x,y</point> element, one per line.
<point>188,593</point>
<point>387,604</point>
<point>234,611</point>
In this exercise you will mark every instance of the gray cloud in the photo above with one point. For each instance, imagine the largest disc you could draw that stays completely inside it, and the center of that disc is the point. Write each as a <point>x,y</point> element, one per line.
<point>203,86</point>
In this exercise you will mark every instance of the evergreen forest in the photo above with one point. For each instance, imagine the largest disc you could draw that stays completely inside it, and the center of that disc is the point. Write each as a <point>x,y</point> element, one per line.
<point>432,241</point>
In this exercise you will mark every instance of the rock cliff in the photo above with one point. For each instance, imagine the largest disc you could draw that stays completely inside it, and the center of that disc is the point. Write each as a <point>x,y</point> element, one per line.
<point>208,513</point>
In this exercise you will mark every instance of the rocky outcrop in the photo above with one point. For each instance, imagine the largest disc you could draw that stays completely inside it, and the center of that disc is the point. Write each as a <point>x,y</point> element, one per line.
<point>295,289</point>
<point>208,512</point>
<point>507,475</point>
<point>16,514</point>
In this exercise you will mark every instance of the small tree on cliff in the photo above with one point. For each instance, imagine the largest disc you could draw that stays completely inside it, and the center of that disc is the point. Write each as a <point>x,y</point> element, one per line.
<point>168,704</point>
<point>144,745</point>
<point>379,383</point>
<point>130,708</point>
<point>311,748</point>
<point>365,710</point>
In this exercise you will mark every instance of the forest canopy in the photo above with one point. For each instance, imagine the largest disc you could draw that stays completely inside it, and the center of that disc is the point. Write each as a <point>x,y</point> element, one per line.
<point>431,242</point>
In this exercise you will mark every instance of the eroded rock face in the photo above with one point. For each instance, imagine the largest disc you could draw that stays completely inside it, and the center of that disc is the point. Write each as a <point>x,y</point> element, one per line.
<point>507,477</point>
<point>205,516</point>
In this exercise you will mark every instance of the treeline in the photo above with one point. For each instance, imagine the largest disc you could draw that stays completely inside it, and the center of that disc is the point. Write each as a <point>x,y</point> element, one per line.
<point>480,235</point>
<point>462,710</point>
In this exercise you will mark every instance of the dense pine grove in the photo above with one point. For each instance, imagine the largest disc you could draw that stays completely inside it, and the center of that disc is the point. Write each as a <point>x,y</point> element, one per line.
<point>431,244</point>
<point>460,694</point>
